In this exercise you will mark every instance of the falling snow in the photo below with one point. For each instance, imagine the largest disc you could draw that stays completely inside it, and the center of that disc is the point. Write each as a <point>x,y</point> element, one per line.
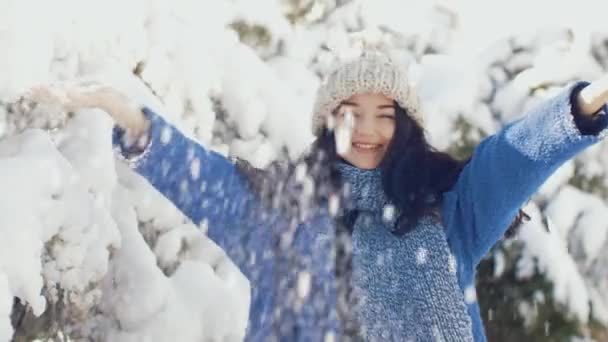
<point>128,255</point>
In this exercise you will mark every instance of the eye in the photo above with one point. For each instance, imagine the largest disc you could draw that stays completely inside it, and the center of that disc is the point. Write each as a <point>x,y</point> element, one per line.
<point>386,116</point>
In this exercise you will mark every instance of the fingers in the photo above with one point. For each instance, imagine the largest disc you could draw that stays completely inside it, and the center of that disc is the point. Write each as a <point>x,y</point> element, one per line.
<point>47,94</point>
<point>91,94</point>
<point>69,99</point>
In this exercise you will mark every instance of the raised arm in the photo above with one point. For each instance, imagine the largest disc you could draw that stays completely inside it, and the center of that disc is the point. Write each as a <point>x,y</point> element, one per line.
<point>204,185</point>
<point>507,168</point>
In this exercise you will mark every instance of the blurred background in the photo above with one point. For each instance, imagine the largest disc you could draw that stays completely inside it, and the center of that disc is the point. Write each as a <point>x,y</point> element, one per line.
<point>89,250</point>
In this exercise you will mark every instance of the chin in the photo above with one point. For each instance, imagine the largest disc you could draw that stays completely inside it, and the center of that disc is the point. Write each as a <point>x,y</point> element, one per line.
<point>366,165</point>
<point>362,162</point>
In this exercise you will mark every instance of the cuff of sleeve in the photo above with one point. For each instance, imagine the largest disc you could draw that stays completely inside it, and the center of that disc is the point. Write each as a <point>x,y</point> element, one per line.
<point>587,124</point>
<point>549,133</point>
<point>134,152</point>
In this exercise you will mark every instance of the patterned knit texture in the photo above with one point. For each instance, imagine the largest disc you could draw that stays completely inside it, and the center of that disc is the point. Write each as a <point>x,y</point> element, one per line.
<point>407,285</point>
<point>372,72</point>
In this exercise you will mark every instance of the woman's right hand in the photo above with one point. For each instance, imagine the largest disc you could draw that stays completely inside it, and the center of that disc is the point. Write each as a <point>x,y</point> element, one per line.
<point>126,113</point>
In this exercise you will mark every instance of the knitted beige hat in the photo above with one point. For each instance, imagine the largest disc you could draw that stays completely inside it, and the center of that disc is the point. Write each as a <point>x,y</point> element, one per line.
<point>371,72</point>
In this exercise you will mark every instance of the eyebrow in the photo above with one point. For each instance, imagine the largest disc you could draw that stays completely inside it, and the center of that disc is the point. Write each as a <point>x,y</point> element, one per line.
<point>349,103</point>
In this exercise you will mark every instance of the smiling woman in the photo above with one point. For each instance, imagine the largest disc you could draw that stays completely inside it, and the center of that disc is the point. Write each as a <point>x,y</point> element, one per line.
<point>372,234</point>
<point>373,126</point>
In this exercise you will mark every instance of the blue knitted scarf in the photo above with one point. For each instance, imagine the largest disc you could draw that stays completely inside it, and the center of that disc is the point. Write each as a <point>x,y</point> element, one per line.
<point>406,286</point>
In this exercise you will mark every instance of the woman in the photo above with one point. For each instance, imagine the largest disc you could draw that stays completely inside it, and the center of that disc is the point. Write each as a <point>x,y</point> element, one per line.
<point>373,235</point>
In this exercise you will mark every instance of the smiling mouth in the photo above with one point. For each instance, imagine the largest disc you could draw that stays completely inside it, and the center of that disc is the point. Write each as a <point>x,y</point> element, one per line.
<point>367,147</point>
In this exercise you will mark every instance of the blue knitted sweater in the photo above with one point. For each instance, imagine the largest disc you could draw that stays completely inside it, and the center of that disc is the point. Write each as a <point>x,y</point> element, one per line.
<point>417,287</point>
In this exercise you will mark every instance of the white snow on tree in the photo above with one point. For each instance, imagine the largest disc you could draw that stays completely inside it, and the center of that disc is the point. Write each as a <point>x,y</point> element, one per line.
<point>89,249</point>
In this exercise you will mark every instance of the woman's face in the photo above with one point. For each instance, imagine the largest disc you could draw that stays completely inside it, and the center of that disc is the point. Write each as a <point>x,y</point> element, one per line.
<point>365,124</point>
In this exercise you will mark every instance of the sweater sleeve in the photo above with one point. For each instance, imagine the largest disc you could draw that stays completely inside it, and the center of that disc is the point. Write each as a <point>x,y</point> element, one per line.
<point>507,168</point>
<point>202,184</point>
